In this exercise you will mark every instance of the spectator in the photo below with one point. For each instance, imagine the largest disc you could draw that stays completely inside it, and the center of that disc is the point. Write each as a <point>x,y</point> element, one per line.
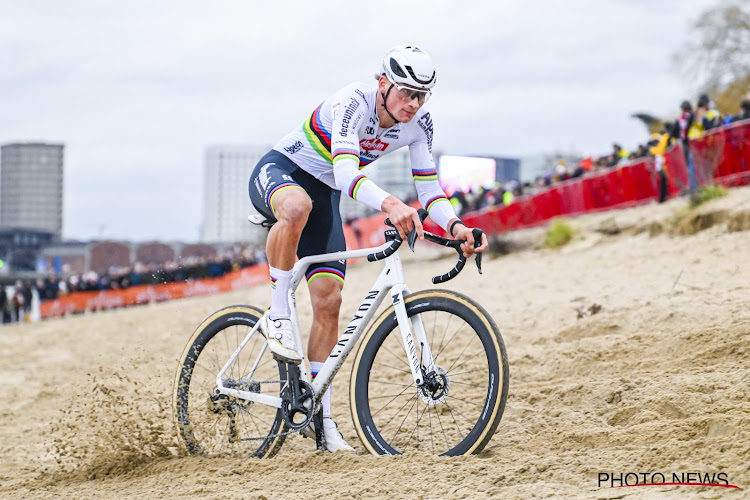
<point>618,154</point>
<point>744,113</point>
<point>683,126</point>
<point>18,302</point>
<point>561,171</point>
<point>3,303</point>
<point>707,114</point>
<point>28,295</point>
<point>658,147</point>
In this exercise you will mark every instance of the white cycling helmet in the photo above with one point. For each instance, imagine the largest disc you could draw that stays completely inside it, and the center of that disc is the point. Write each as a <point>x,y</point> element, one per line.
<point>408,65</point>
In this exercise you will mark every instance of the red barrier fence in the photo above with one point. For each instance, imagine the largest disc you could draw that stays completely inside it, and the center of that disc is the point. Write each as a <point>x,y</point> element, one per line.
<point>721,156</point>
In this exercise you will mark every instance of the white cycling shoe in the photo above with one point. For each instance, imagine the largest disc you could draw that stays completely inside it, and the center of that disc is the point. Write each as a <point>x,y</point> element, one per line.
<point>334,440</point>
<point>281,338</point>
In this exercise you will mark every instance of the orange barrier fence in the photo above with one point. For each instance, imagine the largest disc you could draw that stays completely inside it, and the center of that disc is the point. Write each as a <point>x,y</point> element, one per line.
<point>144,294</point>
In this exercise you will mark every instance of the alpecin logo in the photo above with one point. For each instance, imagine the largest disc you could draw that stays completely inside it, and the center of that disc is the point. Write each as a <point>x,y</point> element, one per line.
<point>628,479</point>
<point>373,145</point>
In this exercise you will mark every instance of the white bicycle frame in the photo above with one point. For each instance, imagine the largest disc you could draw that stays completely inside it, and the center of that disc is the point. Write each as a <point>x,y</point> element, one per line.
<point>415,344</point>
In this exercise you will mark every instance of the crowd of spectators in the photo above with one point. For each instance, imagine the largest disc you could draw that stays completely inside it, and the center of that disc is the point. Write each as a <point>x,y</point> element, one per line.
<point>691,124</point>
<point>189,269</point>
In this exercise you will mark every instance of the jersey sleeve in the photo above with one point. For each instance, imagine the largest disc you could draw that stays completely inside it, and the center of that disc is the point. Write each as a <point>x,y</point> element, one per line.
<point>430,194</point>
<point>349,111</point>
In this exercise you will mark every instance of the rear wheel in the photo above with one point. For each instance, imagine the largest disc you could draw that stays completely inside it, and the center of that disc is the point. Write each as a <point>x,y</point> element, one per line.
<point>459,407</point>
<point>215,424</point>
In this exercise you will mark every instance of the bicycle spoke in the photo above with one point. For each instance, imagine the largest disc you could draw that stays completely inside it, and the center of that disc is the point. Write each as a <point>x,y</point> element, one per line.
<point>389,395</point>
<point>458,427</point>
<point>382,407</point>
<point>451,409</point>
<point>211,373</point>
<point>416,428</point>
<point>445,332</point>
<point>416,396</point>
<point>478,354</point>
<point>448,343</point>
<point>391,367</point>
<point>459,374</point>
<point>226,344</point>
<point>434,327</point>
<point>250,356</point>
<point>389,402</point>
<point>464,401</point>
<point>432,438</point>
<point>214,358</point>
<point>391,383</point>
<point>462,353</point>
<point>401,358</point>
<point>437,414</point>
<point>462,383</point>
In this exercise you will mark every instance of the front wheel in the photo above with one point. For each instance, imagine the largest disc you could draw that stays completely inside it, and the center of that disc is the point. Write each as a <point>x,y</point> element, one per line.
<point>460,413</point>
<point>215,424</point>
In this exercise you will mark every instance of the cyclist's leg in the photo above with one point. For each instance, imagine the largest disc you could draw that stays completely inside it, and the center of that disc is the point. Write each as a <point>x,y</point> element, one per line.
<point>324,233</point>
<point>278,196</point>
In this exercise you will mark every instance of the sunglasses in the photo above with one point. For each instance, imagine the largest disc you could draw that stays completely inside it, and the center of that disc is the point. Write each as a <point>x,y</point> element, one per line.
<point>408,94</point>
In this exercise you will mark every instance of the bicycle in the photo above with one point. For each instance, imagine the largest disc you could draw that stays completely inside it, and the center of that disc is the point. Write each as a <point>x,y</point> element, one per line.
<point>232,397</point>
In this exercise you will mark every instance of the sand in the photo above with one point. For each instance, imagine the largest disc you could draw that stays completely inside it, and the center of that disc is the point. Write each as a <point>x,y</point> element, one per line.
<point>628,352</point>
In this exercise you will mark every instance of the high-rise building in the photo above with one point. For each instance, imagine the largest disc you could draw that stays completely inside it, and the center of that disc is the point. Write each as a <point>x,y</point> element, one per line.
<point>31,187</point>
<point>226,199</point>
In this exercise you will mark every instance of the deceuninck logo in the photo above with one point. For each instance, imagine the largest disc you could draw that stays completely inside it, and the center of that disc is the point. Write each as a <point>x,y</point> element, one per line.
<point>630,479</point>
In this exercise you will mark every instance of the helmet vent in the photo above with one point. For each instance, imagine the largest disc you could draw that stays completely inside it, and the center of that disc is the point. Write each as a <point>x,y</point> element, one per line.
<point>417,79</point>
<point>397,69</point>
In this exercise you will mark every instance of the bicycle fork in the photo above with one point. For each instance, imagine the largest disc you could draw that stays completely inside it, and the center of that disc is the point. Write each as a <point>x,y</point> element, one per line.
<point>417,348</point>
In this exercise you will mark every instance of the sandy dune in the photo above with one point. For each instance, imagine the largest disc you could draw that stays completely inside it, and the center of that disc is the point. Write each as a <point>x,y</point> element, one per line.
<point>658,380</point>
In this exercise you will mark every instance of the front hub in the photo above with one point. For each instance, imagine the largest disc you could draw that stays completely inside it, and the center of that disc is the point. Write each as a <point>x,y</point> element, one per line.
<point>435,388</point>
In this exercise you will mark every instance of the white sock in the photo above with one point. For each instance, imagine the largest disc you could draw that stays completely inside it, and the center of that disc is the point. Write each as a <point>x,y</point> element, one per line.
<point>279,293</point>
<point>315,367</point>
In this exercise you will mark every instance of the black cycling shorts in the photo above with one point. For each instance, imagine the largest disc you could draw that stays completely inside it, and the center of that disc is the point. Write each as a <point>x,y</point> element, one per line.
<point>324,232</point>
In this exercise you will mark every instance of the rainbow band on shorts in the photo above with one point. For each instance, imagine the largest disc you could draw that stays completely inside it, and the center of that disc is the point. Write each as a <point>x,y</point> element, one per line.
<point>434,200</point>
<point>425,174</point>
<point>327,272</point>
<point>355,185</point>
<point>277,190</point>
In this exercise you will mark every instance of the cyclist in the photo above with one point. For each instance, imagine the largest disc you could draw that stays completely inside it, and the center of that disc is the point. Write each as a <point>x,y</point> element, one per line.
<point>299,182</point>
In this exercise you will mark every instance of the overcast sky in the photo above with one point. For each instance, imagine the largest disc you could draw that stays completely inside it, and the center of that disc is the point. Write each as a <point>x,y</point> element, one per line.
<point>137,89</point>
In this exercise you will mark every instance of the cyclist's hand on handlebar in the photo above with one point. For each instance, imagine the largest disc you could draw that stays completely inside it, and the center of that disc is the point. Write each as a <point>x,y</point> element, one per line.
<point>465,233</point>
<point>403,217</point>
